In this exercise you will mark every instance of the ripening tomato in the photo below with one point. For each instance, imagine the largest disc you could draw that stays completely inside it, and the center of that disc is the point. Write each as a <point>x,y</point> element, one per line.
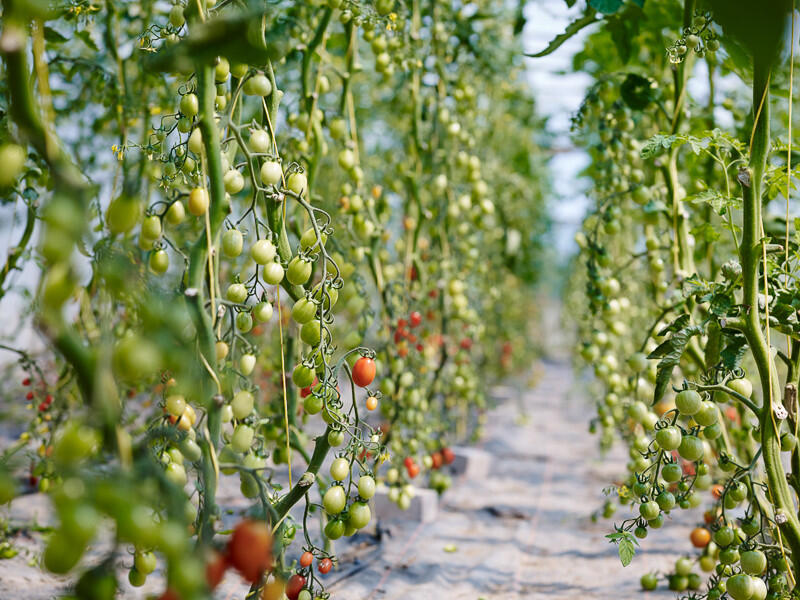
<point>215,569</point>
<point>364,371</point>
<point>325,565</point>
<point>415,318</point>
<point>294,586</point>
<point>448,456</point>
<point>250,549</point>
<point>305,559</point>
<point>700,537</point>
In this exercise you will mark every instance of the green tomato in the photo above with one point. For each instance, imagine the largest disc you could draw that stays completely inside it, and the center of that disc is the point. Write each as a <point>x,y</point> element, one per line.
<point>271,173</point>
<point>669,438</point>
<point>335,438</point>
<point>683,566</point>
<point>688,402</point>
<point>649,510</point>
<point>236,292</point>
<point>707,415</point>
<point>298,184</point>
<point>303,311</point>
<point>190,105</point>
<point>263,311</point>
<point>145,562</point>
<point>665,500</point>
<point>359,515</point>
<point>273,273</point>
<point>151,227</point>
<point>311,333</point>
<point>649,581</point>
<point>334,500</point>
<point>302,376</point>
<point>672,472</point>
<point>299,271</point>
<point>244,322</point>
<point>312,404</point>
<point>729,555</point>
<point>242,438</point>
<point>334,529</point>
<point>263,251</point>
<point>740,587</point>
<point>754,562</point>
<point>158,262</point>
<point>242,404</point>
<point>691,448</point>
<point>340,469</point>
<point>136,578</point>
<point>123,214</point>
<point>366,487</point>
<point>232,243</point>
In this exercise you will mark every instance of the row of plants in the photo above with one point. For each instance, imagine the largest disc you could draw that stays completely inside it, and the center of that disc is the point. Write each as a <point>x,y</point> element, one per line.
<point>285,244</point>
<point>686,289</point>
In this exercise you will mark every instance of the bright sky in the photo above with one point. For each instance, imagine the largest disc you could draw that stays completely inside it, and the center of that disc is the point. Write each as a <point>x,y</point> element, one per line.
<point>559,93</point>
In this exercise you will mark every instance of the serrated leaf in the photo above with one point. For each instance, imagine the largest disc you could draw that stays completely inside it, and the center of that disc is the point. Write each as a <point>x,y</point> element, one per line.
<point>706,232</point>
<point>53,36</point>
<point>695,285</point>
<point>719,202</point>
<point>626,552</point>
<point>657,145</point>
<point>607,7</point>
<point>735,348</point>
<point>671,350</point>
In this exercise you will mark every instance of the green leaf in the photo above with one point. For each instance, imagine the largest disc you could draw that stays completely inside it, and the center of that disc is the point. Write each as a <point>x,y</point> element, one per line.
<point>671,350</point>
<point>607,7</point>
<point>735,347</point>
<point>626,552</point>
<point>657,145</point>
<point>87,39</point>
<point>573,28</point>
<point>52,36</point>
<point>706,232</point>
<point>626,545</point>
<point>719,203</point>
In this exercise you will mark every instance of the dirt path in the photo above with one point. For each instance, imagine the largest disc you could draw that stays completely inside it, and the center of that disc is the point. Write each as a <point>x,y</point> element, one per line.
<point>523,532</point>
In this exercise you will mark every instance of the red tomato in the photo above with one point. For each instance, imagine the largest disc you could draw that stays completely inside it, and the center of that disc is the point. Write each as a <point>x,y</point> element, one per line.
<point>408,461</point>
<point>306,559</point>
<point>325,565</point>
<point>250,549</point>
<point>26,381</point>
<point>29,396</point>
<point>415,318</point>
<point>437,459</point>
<point>306,391</point>
<point>215,569</point>
<point>401,323</point>
<point>402,351</point>
<point>413,470</point>
<point>294,586</point>
<point>433,294</point>
<point>420,347</point>
<point>363,371</point>
<point>466,344</point>
<point>448,456</point>
<point>412,338</point>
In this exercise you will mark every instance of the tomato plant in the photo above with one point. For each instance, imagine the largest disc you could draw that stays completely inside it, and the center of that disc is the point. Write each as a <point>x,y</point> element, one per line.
<point>685,283</point>
<point>230,208</point>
